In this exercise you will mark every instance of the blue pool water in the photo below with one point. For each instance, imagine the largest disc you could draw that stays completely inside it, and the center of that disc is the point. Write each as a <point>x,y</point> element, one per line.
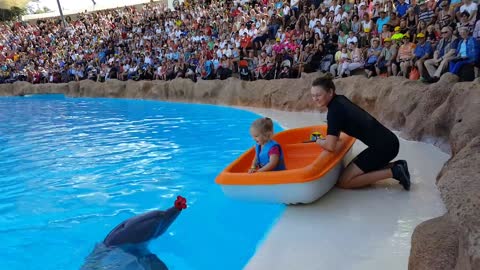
<point>72,169</point>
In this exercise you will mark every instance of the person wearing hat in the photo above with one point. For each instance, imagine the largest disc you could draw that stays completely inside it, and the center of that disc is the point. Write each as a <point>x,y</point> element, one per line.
<point>404,56</point>
<point>422,52</point>
<point>387,57</point>
<point>397,35</point>
<point>445,51</point>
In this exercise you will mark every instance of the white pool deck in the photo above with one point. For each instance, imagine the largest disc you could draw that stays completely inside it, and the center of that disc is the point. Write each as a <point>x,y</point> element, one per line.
<point>359,229</point>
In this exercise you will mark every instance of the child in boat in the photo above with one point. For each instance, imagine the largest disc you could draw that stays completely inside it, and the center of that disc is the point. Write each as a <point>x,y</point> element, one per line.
<point>268,153</point>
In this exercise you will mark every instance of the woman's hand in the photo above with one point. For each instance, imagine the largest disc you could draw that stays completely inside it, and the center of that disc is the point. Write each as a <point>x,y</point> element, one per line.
<point>252,170</point>
<point>329,143</point>
<point>320,141</point>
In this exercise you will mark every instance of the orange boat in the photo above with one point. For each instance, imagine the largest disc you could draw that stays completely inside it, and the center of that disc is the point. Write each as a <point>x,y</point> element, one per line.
<point>311,171</point>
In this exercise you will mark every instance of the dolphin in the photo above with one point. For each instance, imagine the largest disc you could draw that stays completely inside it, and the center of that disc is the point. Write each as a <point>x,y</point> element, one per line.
<point>126,246</point>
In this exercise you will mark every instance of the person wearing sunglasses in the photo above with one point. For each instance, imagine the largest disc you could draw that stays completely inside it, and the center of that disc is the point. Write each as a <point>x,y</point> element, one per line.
<point>445,51</point>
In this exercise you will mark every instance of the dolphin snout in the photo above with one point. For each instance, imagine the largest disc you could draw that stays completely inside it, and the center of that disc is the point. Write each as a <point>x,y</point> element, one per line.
<point>166,219</point>
<point>170,215</point>
<point>145,227</point>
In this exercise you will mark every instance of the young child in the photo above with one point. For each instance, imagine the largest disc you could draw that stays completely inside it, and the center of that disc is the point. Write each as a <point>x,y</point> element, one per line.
<point>268,153</point>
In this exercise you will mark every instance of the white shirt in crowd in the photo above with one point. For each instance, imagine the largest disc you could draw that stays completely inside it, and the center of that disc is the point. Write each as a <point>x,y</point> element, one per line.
<point>222,44</point>
<point>148,60</point>
<point>352,39</point>
<point>470,9</point>
<point>178,33</point>
<point>335,9</point>
<point>323,21</point>
<point>319,31</point>
<point>236,42</point>
<point>339,17</point>
<point>243,31</point>
<point>219,53</point>
<point>132,69</point>
<point>227,52</point>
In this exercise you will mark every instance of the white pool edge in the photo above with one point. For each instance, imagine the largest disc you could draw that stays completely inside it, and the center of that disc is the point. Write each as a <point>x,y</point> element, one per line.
<point>271,255</point>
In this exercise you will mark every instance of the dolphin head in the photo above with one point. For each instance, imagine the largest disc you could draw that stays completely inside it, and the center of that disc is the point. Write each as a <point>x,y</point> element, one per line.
<point>145,227</point>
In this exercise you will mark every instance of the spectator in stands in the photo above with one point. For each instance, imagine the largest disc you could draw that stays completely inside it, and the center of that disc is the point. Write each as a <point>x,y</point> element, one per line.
<point>412,21</point>
<point>476,31</point>
<point>402,8</point>
<point>422,52</point>
<point>357,59</point>
<point>469,10</point>
<point>335,68</point>
<point>209,40</point>
<point>444,53</point>
<point>373,53</point>
<point>426,15</point>
<point>465,53</point>
<point>386,58</point>
<point>382,21</point>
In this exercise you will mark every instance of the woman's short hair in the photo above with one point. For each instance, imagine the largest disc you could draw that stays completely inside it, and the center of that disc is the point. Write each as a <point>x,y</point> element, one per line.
<point>325,81</point>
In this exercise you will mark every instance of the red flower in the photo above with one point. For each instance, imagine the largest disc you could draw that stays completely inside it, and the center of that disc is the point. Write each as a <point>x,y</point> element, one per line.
<point>180,203</point>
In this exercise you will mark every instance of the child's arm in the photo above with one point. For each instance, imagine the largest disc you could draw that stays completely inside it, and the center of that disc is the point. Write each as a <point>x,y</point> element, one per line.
<point>274,158</point>
<point>253,168</point>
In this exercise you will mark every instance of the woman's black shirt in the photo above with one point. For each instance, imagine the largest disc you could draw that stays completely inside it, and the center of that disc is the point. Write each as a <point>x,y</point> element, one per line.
<point>345,116</point>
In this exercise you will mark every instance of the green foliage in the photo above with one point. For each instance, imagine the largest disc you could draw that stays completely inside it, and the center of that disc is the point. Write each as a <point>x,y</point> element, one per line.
<point>12,14</point>
<point>42,10</point>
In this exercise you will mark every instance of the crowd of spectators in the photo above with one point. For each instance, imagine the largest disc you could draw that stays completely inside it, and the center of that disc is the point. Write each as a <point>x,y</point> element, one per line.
<point>252,39</point>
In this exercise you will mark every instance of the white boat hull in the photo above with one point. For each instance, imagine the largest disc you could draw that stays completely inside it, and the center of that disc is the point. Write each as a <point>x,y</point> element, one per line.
<point>295,193</point>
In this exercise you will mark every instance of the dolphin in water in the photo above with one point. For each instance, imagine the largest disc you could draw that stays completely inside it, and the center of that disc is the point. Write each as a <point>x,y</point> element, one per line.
<point>126,246</point>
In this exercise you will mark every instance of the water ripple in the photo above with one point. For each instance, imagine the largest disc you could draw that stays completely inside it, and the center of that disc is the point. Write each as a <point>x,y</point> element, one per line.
<point>71,169</point>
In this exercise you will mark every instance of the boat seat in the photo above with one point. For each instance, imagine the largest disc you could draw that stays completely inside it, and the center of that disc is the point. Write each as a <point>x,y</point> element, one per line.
<point>300,155</point>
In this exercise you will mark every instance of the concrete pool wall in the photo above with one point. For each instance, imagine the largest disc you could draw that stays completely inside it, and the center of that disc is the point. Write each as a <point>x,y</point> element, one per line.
<point>369,228</point>
<point>445,114</point>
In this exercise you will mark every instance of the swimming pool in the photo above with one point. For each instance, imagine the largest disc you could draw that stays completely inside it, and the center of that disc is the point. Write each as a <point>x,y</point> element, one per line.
<point>72,169</point>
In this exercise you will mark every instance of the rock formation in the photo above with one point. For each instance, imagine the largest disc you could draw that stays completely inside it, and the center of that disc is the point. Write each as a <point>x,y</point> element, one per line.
<point>446,113</point>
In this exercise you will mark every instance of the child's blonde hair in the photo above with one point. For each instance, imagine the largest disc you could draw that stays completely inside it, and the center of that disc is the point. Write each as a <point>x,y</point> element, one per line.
<point>263,125</point>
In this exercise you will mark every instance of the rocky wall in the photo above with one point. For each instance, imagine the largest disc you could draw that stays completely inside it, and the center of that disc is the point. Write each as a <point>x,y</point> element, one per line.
<point>446,114</point>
